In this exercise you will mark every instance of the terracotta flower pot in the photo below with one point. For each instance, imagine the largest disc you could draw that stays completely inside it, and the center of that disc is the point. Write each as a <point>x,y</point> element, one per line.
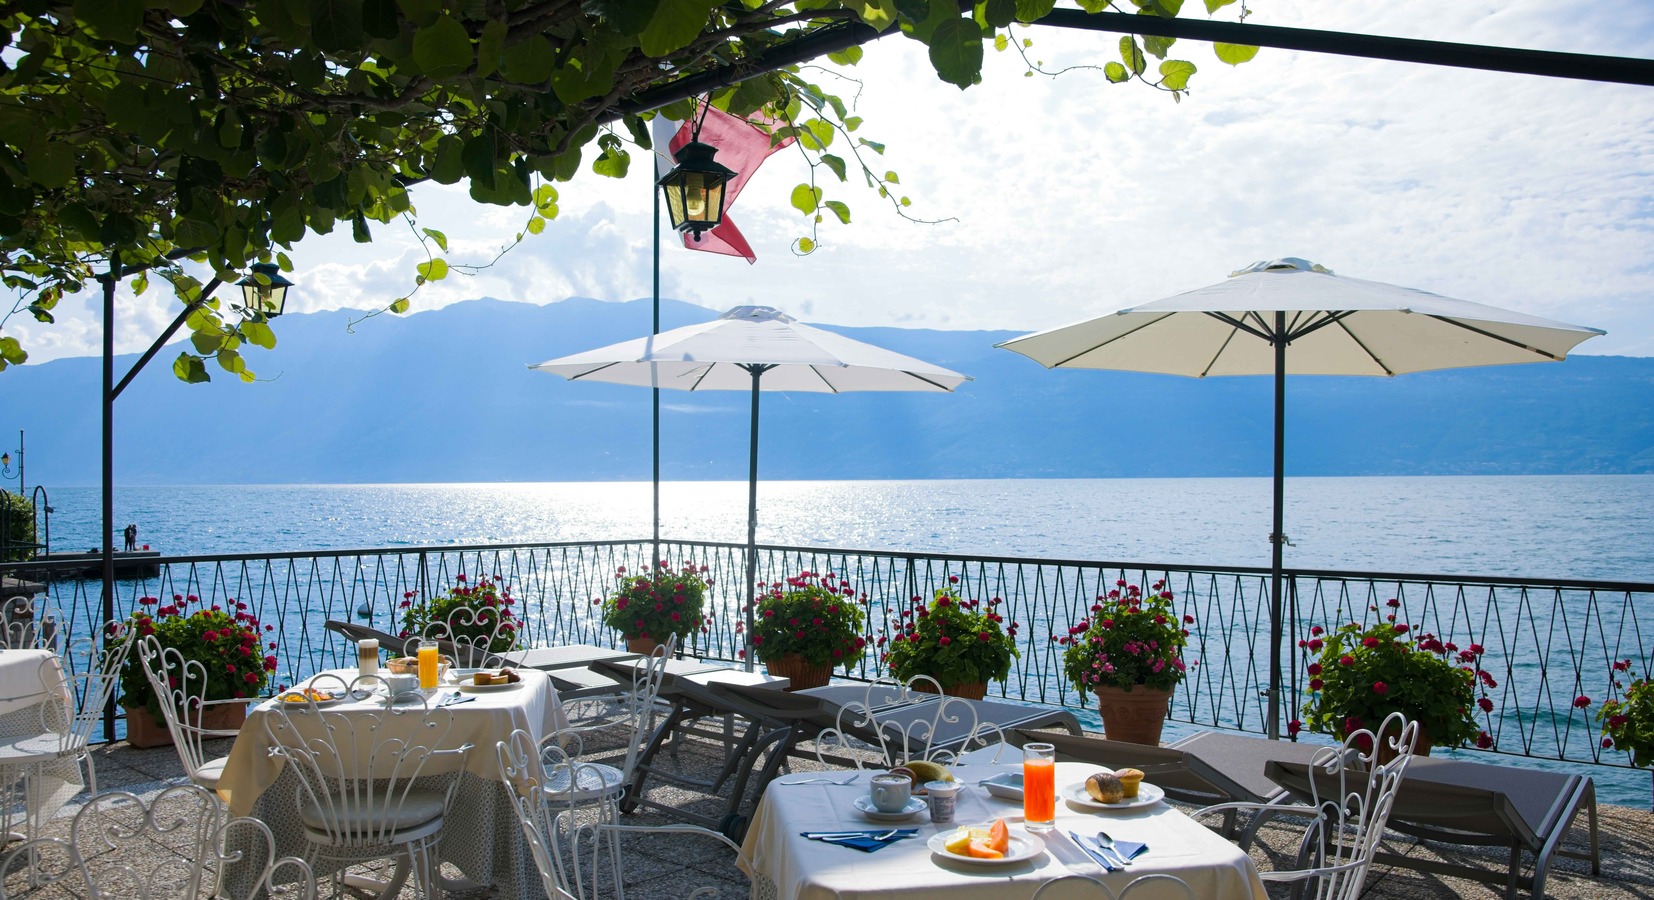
<point>969,690</point>
<point>643,645</point>
<point>801,673</point>
<point>1135,716</point>
<point>144,730</point>
<point>1421,747</point>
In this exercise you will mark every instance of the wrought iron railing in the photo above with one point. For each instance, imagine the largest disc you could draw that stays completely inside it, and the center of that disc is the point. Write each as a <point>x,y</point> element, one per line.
<point>1547,642</point>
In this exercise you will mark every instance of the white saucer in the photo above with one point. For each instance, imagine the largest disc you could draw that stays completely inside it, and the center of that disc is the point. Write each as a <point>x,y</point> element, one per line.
<point>489,688</point>
<point>915,805</point>
<point>1147,795</point>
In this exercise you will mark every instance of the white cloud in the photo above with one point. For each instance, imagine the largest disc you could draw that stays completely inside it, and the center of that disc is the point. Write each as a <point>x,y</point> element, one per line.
<point>1074,197</point>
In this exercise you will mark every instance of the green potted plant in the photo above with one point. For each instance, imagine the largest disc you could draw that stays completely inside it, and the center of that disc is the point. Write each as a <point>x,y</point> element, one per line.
<point>477,614</point>
<point>647,609</point>
<point>1628,721</point>
<point>1357,676</point>
<point>1129,656</point>
<point>229,644</point>
<point>959,643</point>
<point>807,627</point>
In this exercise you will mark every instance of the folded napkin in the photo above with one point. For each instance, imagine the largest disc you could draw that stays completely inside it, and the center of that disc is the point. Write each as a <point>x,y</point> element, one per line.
<point>1126,849</point>
<point>865,841</point>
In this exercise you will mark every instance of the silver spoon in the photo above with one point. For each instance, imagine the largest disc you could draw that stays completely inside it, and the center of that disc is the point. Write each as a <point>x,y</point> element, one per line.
<point>1107,843</point>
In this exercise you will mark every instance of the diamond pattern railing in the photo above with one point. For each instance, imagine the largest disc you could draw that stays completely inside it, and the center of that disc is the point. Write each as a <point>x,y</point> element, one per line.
<point>1547,642</point>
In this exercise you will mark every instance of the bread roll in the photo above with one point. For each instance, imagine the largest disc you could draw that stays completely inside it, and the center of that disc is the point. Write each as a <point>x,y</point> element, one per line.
<point>1105,787</point>
<point>1130,779</point>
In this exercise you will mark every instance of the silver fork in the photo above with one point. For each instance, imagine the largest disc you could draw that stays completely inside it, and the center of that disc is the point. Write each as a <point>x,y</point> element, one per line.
<point>858,836</point>
<point>838,781</point>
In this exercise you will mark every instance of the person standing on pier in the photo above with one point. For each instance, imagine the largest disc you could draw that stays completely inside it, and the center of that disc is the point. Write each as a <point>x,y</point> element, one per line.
<point>131,537</point>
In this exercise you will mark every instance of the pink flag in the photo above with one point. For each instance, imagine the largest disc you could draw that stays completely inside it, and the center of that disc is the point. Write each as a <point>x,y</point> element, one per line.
<point>741,146</point>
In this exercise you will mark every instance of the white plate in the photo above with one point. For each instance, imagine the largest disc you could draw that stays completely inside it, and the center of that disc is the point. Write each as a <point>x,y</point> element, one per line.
<point>1147,795</point>
<point>914,806</point>
<point>1019,848</point>
<point>319,704</point>
<point>457,675</point>
<point>1006,786</point>
<point>489,688</point>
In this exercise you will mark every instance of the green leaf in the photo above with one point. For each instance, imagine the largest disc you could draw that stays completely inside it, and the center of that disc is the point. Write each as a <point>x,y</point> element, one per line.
<point>379,19</point>
<point>231,361</point>
<point>956,52</point>
<point>805,245</point>
<point>822,130</point>
<point>890,178</point>
<point>805,199</point>
<point>478,157</point>
<point>115,20</point>
<point>11,351</point>
<point>545,199</point>
<point>880,14</point>
<point>1174,73</point>
<point>998,13</point>
<point>1133,55</point>
<point>840,210</point>
<point>536,225</point>
<point>399,306</point>
<point>834,163</point>
<point>849,56</point>
<point>443,48</point>
<point>530,61</point>
<point>628,17</point>
<point>1116,73</point>
<point>1034,10</point>
<point>420,12</point>
<point>51,163</point>
<point>336,25</point>
<point>207,342</point>
<point>437,236</point>
<point>874,146</point>
<point>1157,46</point>
<point>614,160</point>
<point>1234,54</point>
<point>674,25</point>
<point>189,369</point>
<point>490,47</point>
<point>449,166</point>
<point>1001,42</point>
<point>435,270</point>
<point>1213,6</point>
<point>259,334</point>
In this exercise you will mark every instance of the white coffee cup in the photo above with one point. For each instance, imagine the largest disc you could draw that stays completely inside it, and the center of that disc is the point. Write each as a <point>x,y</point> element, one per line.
<point>400,684</point>
<point>890,793</point>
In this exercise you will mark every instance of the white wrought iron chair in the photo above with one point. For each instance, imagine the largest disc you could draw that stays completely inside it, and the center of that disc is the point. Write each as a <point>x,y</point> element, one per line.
<point>551,818</point>
<point>475,638</point>
<point>78,684</point>
<point>182,829</point>
<point>897,722</point>
<point>1084,887</point>
<point>180,687</point>
<point>365,787</point>
<point>1350,793</point>
<point>630,712</point>
<point>28,624</point>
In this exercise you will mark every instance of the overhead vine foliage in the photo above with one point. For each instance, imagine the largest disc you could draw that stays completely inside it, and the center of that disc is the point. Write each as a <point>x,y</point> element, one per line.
<point>143,133</point>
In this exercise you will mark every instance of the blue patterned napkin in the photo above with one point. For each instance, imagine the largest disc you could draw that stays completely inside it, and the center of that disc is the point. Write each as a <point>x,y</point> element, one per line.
<point>865,841</point>
<point>1127,849</point>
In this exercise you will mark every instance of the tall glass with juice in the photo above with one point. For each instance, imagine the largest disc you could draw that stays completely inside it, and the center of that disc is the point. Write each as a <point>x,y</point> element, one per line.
<point>428,665</point>
<point>1039,786</point>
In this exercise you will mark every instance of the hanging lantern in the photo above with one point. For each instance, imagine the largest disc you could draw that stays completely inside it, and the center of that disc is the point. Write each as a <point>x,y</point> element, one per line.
<point>265,291</point>
<point>694,189</point>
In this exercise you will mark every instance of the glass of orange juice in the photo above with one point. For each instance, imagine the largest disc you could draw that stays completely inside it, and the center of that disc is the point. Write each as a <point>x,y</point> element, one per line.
<point>428,665</point>
<point>1039,786</point>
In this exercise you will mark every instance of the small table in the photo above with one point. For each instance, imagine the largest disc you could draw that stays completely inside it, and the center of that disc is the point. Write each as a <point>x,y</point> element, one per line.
<point>485,839</point>
<point>34,700</point>
<point>786,866</point>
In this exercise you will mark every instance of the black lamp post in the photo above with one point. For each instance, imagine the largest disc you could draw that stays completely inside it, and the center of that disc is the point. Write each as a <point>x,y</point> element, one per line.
<point>5,465</point>
<point>265,291</point>
<point>694,189</point>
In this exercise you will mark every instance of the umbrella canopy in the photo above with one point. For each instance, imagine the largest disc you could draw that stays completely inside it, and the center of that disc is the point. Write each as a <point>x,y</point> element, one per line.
<point>1293,317</point>
<point>754,348</point>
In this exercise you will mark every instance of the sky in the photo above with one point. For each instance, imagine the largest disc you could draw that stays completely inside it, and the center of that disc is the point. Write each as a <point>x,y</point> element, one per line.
<point>1059,199</point>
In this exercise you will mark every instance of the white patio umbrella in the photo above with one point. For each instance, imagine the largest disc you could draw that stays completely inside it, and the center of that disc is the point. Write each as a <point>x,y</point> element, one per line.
<point>1332,325</point>
<point>754,348</point>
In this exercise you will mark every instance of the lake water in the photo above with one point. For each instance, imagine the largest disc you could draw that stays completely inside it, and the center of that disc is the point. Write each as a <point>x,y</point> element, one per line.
<point>1592,527</point>
<point>1573,527</point>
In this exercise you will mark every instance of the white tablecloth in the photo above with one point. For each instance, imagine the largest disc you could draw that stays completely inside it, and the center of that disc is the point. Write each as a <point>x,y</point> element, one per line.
<point>34,700</point>
<point>785,865</point>
<point>480,833</point>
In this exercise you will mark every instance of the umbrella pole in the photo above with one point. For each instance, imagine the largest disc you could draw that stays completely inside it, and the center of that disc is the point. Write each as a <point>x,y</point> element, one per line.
<point>1277,539</point>
<point>655,384</point>
<point>752,513</point>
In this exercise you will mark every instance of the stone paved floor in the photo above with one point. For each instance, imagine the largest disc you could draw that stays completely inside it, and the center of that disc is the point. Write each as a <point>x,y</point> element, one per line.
<point>656,866</point>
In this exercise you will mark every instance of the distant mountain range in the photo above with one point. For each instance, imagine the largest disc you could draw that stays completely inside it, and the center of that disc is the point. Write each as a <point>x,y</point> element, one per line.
<point>446,396</point>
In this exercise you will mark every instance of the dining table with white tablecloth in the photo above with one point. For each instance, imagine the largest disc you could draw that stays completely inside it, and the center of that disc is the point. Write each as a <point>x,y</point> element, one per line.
<point>34,700</point>
<point>785,865</point>
<point>481,836</point>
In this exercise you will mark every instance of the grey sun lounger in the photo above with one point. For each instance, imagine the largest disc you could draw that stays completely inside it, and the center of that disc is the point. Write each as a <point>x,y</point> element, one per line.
<point>1448,801</point>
